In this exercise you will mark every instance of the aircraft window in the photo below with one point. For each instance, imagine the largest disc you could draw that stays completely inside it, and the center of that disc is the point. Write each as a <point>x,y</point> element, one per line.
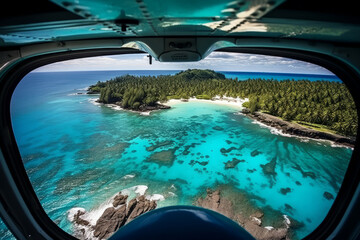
<point>264,140</point>
<point>5,234</point>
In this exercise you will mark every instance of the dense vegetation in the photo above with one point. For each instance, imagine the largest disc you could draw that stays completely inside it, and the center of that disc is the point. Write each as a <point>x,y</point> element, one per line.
<point>319,102</point>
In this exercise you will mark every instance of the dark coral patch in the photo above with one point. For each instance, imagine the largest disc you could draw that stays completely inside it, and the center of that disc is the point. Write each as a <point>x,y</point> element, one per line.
<point>158,145</point>
<point>328,196</point>
<point>304,173</point>
<point>224,150</point>
<point>269,168</point>
<point>166,157</point>
<point>233,163</point>
<point>285,191</point>
<point>255,153</point>
<point>218,128</point>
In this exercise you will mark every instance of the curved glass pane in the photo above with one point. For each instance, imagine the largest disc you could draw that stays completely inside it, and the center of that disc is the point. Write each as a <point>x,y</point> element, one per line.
<point>263,140</point>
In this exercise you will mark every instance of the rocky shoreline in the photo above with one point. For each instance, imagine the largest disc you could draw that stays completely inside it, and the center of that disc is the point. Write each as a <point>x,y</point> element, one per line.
<point>251,222</point>
<point>297,130</point>
<point>142,108</point>
<point>120,213</point>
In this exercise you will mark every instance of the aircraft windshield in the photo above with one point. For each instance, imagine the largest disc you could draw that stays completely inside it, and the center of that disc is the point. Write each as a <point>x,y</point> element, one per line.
<point>263,140</point>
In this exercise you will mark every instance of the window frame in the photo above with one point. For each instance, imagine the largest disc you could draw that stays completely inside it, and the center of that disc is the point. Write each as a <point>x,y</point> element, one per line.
<point>20,195</point>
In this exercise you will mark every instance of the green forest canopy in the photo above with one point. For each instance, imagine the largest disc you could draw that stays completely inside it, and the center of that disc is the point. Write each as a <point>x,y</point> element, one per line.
<point>319,102</point>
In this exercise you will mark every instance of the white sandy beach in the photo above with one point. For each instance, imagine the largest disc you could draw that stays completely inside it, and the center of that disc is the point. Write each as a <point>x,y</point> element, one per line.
<point>228,101</point>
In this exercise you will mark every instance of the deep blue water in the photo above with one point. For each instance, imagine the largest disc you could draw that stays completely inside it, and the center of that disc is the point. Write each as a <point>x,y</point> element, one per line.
<point>77,153</point>
<point>281,76</point>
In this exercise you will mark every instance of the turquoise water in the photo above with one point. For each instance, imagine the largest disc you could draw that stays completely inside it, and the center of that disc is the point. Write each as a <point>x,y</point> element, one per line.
<point>78,153</point>
<point>4,232</point>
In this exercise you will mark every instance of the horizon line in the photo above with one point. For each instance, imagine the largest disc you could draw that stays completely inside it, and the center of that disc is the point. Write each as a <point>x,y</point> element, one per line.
<point>322,74</point>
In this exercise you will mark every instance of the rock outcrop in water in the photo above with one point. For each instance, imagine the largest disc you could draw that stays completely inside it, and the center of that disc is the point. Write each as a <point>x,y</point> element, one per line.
<point>79,220</point>
<point>163,158</point>
<point>141,108</point>
<point>116,216</point>
<point>269,170</point>
<point>305,174</point>
<point>253,223</point>
<point>233,163</point>
<point>328,196</point>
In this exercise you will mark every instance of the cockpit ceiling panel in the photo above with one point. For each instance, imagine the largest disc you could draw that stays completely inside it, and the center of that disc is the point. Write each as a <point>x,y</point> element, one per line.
<point>147,18</point>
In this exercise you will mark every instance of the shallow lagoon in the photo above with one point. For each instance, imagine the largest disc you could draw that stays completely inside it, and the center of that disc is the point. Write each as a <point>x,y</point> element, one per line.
<point>79,154</point>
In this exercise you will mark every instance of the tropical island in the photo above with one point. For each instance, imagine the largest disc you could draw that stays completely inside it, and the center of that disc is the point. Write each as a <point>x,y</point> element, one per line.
<point>320,109</point>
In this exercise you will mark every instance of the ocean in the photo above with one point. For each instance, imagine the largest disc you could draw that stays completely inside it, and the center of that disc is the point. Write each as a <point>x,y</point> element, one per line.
<point>79,154</point>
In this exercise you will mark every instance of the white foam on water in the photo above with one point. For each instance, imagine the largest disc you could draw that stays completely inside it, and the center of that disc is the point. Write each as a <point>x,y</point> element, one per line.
<point>257,220</point>
<point>155,197</point>
<point>287,221</point>
<point>145,113</point>
<point>125,192</point>
<point>239,113</point>
<point>172,194</point>
<point>94,101</point>
<point>273,130</point>
<point>94,214</point>
<point>128,176</point>
<point>281,133</point>
<point>83,89</point>
<point>114,107</point>
<point>269,228</point>
<point>334,145</point>
<point>140,189</point>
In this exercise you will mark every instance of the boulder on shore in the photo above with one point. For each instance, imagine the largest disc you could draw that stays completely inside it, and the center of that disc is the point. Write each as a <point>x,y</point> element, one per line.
<point>119,199</point>
<point>78,220</point>
<point>116,216</point>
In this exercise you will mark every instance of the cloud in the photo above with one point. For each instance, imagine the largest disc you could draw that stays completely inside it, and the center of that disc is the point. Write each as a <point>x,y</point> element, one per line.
<point>221,55</point>
<point>218,61</point>
<point>252,57</point>
<point>119,62</point>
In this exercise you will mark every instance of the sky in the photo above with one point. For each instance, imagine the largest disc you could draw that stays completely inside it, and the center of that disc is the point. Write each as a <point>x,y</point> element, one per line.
<point>218,61</point>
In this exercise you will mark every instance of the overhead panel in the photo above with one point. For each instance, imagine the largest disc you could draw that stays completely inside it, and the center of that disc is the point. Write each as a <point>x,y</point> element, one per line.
<point>152,18</point>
